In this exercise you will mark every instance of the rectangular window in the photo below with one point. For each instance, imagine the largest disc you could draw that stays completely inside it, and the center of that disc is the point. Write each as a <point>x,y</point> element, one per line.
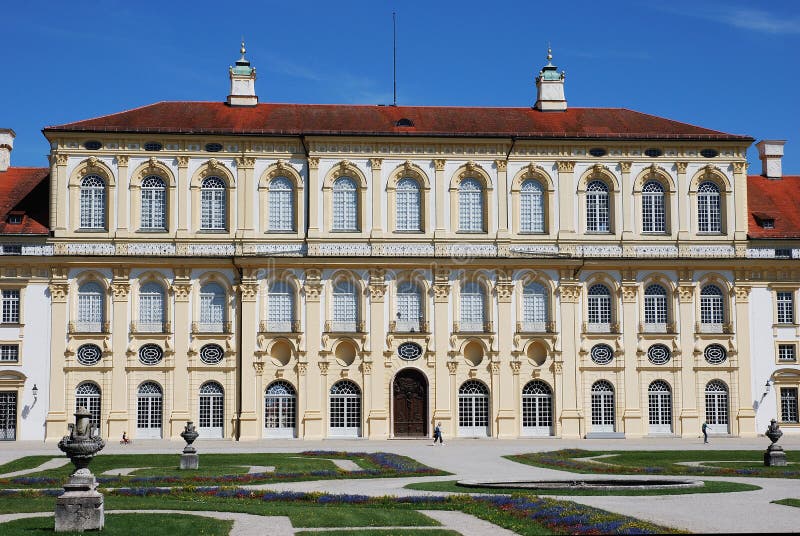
<point>785,302</point>
<point>789,405</point>
<point>655,309</point>
<point>782,253</point>
<point>787,353</point>
<point>10,304</point>
<point>9,353</point>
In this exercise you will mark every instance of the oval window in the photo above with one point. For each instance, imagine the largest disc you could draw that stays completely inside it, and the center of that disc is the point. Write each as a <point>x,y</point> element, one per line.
<point>92,145</point>
<point>153,146</point>
<point>598,151</point>
<point>653,153</point>
<point>709,153</point>
<point>213,147</point>
<point>409,351</point>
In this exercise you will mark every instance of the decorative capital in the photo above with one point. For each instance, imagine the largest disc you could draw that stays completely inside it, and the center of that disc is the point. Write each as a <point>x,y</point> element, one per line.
<point>377,292</point>
<point>625,167</point>
<point>502,165</point>
<point>629,293</point>
<point>495,367</point>
<point>740,167</point>
<point>313,162</point>
<point>376,163</point>
<point>742,293</point>
<point>452,366</point>
<point>181,291</point>
<point>515,366</point>
<point>366,368</point>
<point>681,166</point>
<point>245,162</point>
<point>565,166</point>
<point>438,164</point>
<point>58,292</point>
<point>62,159</point>
<point>259,367</point>
<point>441,291</point>
<point>122,160</point>
<point>686,293</point>
<point>569,293</point>
<point>323,367</point>
<point>504,292</point>
<point>558,367</point>
<point>183,161</point>
<point>120,290</point>
<point>302,368</point>
<point>249,290</point>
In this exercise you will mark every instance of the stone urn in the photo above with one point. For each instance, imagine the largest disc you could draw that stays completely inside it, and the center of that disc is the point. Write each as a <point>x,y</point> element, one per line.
<point>80,507</point>
<point>774,455</point>
<point>189,459</point>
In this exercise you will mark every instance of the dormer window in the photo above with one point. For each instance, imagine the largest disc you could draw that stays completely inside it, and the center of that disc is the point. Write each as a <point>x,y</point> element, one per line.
<point>404,122</point>
<point>15,218</point>
<point>765,221</point>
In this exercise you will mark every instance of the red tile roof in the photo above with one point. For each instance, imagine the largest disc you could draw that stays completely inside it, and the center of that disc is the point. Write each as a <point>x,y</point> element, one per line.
<point>774,199</point>
<point>311,119</point>
<point>25,190</point>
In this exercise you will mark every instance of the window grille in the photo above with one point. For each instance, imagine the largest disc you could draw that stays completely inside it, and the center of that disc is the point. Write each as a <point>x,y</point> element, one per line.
<point>472,307</point>
<point>10,306</point>
<point>9,353</point>
<point>87,395</point>
<point>537,405</point>
<point>659,354</point>
<point>408,205</point>
<point>91,305</point>
<point>534,307</point>
<point>789,405</point>
<point>281,204</point>
<point>787,352</point>
<point>712,309</point>
<point>531,207</point>
<point>601,354</point>
<point>151,308</point>
<point>655,307</point>
<point>470,206</point>
<point>345,306</point>
<point>89,354</point>
<point>280,403</point>
<point>473,408</point>
<point>280,307</point>
<point>345,407</point>
<point>708,208</point>
<point>93,203</point>
<point>717,404</point>
<point>653,213</point>
<point>149,403</point>
<point>213,209</point>
<point>345,205</point>
<point>154,203</point>
<point>409,307</point>
<point>597,213</point>
<point>602,402</point>
<point>212,402</point>
<point>212,308</point>
<point>659,397</point>
<point>599,305</point>
<point>211,354</point>
<point>715,354</point>
<point>785,302</point>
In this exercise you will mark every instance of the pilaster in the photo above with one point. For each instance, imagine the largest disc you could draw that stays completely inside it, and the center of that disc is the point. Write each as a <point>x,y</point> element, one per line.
<point>740,198</point>
<point>378,417</point>
<point>314,193</point>
<point>683,201</point>
<point>571,414</point>
<point>632,416</point>
<point>506,413</point>
<point>246,193</point>
<point>377,189</point>
<point>56,421</point>
<point>441,198</point>
<point>248,295</point>
<point>566,199</point>
<point>58,192</point>
<point>120,293</point>
<point>689,417</point>
<point>312,419</point>
<point>502,198</point>
<point>441,333</point>
<point>181,290</point>
<point>123,185</point>
<point>746,416</point>
<point>628,205</point>
<point>181,197</point>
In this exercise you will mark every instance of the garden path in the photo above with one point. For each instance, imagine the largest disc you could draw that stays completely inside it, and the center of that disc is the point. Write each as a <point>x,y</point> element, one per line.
<point>55,463</point>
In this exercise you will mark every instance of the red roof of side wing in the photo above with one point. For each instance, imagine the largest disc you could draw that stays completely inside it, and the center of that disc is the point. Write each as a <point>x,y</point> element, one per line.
<point>778,200</point>
<point>317,119</point>
<point>25,191</point>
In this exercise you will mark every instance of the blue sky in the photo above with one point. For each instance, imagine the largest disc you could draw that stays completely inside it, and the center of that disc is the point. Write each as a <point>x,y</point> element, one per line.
<point>730,65</point>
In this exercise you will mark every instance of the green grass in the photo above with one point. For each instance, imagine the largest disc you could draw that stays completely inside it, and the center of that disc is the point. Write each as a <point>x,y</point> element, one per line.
<point>663,462</point>
<point>28,462</point>
<point>382,532</point>
<point>711,486</point>
<point>789,502</point>
<point>124,524</point>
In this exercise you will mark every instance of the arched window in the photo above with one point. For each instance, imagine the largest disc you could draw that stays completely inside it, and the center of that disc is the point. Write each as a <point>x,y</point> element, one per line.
<point>408,205</point>
<point>537,408</point>
<point>281,204</point>
<point>154,204</point>
<point>280,307</point>
<point>280,410</point>
<point>213,206</point>
<point>213,314</point>
<point>717,407</point>
<point>531,207</point>
<point>345,409</point>
<point>93,203</point>
<point>712,308</point>
<point>473,409</point>
<point>602,407</point>
<point>345,205</point>
<point>655,308</point>
<point>534,307</point>
<point>151,307</point>
<point>212,410</point>
<point>409,307</point>
<point>345,306</point>
<point>91,308</point>
<point>659,397</point>
<point>149,404</point>
<point>653,212</point>
<point>709,218</point>
<point>598,307</point>
<point>470,206</point>
<point>597,211</point>
<point>473,311</point>
<point>87,395</point>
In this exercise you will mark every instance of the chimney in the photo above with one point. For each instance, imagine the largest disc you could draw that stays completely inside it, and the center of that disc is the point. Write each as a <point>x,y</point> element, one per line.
<point>770,153</point>
<point>6,145</point>
<point>550,87</point>
<point>243,83</point>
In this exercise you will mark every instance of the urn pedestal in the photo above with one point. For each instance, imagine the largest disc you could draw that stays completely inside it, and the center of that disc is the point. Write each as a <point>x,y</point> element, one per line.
<point>774,456</point>
<point>189,459</point>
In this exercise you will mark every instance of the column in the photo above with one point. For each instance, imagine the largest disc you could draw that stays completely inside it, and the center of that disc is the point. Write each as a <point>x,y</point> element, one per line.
<point>632,424</point>
<point>503,396</point>
<point>120,292</point>
<point>444,370</point>
<point>746,416</point>
<point>571,413</point>
<point>378,417</point>
<point>740,199</point>
<point>314,192</point>
<point>312,418</point>
<point>689,416</point>
<point>182,191</point>
<point>56,421</point>
<point>245,194</point>
<point>248,419</point>
<point>377,192</point>
<point>181,290</point>
<point>441,198</point>
<point>628,206</point>
<point>122,195</point>
<point>502,198</point>
<point>566,199</point>
<point>683,201</point>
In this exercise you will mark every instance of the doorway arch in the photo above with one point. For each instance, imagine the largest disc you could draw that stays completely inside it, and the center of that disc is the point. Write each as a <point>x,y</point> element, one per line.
<point>410,404</point>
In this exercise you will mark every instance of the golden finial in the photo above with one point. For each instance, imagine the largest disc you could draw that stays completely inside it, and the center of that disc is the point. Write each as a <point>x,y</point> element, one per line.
<point>549,52</point>
<point>242,50</point>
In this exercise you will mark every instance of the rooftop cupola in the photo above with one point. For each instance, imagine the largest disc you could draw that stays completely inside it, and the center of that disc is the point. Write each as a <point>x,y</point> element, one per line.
<point>550,87</point>
<point>770,153</point>
<point>6,145</point>
<point>243,83</point>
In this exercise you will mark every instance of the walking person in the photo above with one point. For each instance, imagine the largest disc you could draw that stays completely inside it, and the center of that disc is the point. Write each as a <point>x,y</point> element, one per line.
<point>437,434</point>
<point>705,432</point>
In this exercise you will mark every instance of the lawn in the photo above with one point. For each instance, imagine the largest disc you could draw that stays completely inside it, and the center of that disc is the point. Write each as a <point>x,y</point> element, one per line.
<point>711,486</point>
<point>121,524</point>
<point>663,462</point>
<point>219,469</point>
<point>789,502</point>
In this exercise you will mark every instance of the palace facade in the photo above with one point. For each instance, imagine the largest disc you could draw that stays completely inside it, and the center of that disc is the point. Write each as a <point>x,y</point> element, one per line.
<point>280,270</point>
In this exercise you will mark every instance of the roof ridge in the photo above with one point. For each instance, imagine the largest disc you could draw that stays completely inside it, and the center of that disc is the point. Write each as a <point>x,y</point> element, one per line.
<point>109,115</point>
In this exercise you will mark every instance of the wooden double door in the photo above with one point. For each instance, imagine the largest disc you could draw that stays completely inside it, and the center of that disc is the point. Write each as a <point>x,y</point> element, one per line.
<point>410,404</point>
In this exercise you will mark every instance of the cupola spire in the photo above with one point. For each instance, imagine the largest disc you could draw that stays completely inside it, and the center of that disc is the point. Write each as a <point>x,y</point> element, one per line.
<point>550,87</point>
<point>243,82</point>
